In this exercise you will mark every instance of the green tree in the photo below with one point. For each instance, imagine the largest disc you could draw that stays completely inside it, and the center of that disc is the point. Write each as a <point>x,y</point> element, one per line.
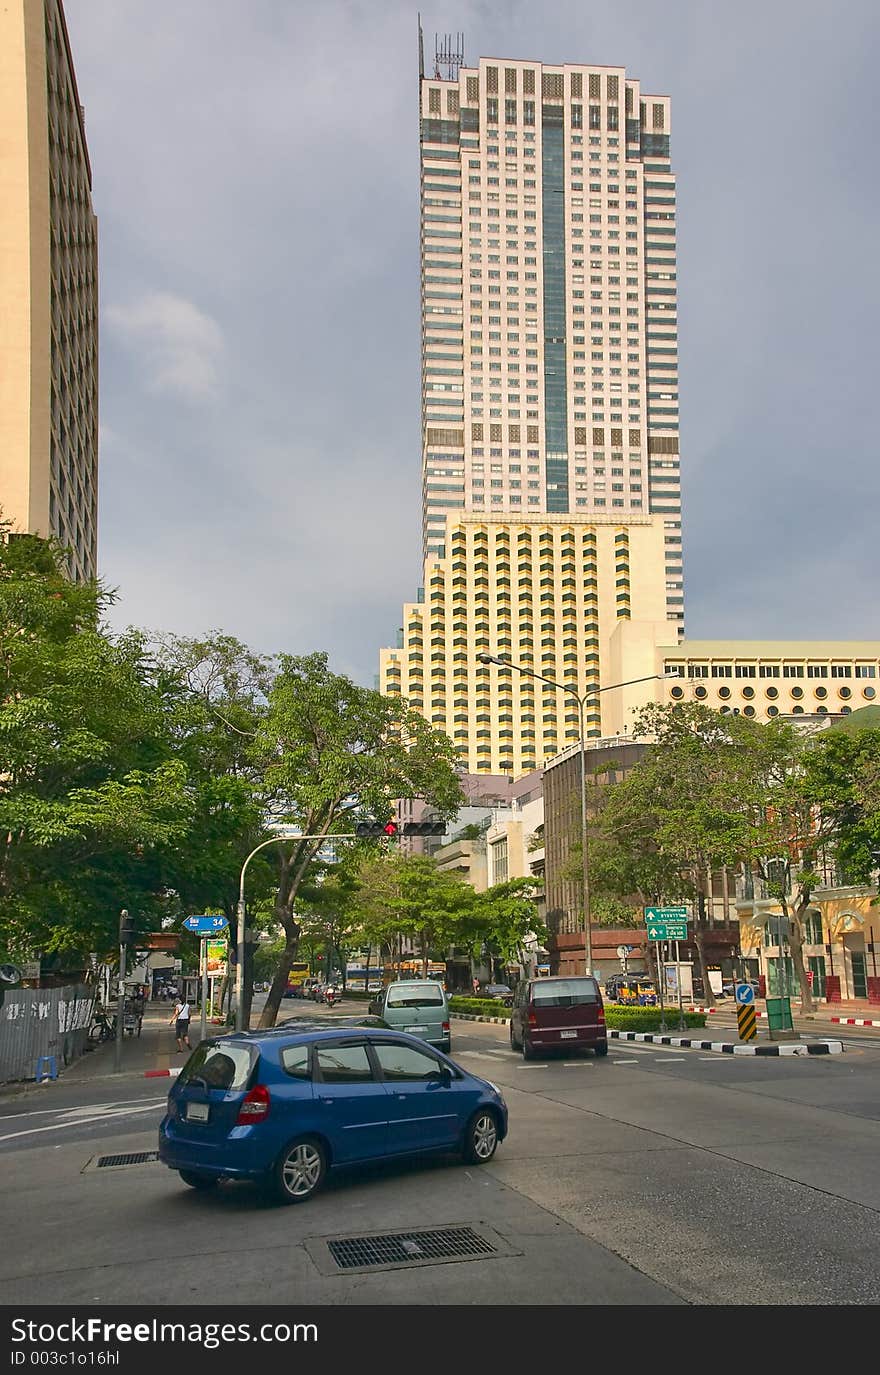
<point>90,789</point>
<point>329,751</point>
<point>699,799</point>
<point>408,897</point>
<point>506,920</point>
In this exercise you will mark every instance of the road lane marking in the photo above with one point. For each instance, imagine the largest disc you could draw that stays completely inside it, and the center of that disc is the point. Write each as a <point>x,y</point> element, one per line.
<point>84,1121</point>
<point>631,1063</point>
<point>83,1108</point>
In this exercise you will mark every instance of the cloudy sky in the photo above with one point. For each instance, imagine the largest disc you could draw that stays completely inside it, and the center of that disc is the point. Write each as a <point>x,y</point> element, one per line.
<point>256,180</point>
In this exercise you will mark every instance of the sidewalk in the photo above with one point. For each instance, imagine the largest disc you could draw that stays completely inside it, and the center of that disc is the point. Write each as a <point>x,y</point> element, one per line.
<point>154,1049</point>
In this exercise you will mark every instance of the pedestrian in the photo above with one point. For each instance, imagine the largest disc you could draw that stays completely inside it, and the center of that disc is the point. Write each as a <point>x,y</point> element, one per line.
<point>181,1020</point>
<point>476,987</point>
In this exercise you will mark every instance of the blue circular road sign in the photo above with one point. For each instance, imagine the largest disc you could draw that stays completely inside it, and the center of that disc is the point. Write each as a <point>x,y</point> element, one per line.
<point>745,994</point>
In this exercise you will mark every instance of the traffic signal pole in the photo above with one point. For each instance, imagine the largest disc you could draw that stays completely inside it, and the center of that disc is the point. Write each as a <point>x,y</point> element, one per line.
<point>120,995</point>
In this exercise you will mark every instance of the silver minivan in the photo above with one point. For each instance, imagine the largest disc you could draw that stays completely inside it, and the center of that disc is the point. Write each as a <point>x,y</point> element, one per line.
<point>419,1006</point>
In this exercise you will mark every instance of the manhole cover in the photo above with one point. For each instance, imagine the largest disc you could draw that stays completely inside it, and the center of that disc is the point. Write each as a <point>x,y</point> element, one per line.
<point>399,1250</point>
<point>108,1162</point>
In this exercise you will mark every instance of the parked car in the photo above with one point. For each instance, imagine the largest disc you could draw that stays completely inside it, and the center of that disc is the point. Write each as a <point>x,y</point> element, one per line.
<point>283,1107</point>
<point>558,1014</point>
<point>419,1006</point>
<point>501,993</point>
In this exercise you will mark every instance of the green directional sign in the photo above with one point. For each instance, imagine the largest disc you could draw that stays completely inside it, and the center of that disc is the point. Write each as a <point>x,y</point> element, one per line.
<point>666,914</point>
<point>667,930</point>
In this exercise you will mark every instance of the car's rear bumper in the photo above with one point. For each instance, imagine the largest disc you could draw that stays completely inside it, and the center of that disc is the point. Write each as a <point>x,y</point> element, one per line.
<point>244,1158</point>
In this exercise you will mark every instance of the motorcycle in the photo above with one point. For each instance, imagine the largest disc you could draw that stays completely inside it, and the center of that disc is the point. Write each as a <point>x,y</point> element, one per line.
<point>332,996</point>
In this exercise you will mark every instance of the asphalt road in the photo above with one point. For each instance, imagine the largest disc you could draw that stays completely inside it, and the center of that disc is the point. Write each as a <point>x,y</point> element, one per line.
<point>655,1176</point>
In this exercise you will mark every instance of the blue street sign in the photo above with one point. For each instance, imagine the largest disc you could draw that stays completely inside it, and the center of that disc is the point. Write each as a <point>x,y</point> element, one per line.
<point>205,926</point>
<point>745,995</point>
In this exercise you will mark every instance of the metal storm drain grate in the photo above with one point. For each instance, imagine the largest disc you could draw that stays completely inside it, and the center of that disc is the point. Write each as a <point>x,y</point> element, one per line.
<point>398,1250</point>
<point>106,1162</point>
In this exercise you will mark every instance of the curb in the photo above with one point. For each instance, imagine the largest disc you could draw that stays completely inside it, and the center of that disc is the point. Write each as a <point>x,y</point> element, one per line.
<point>854,1021</point>
<point>478,1017</point>
<point>161,1073</point>
<point>731,1048</point>
<point>701,1009</point>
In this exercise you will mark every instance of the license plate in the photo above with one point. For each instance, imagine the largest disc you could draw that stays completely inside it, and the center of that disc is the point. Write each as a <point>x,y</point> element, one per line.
<point>416,1030</point>
<point>568,1035</point>
<point>197,1112</point>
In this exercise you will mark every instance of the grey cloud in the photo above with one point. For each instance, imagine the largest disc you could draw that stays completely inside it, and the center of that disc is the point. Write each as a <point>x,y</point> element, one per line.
<point>180,347</point>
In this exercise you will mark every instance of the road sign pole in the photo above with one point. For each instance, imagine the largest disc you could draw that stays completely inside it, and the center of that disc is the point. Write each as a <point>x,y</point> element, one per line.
<point>203,948</point>
<point>678,984</point>
<point>661,970</point>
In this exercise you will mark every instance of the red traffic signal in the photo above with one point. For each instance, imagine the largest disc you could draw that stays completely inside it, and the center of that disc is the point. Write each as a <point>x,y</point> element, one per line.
<point>376,830</point>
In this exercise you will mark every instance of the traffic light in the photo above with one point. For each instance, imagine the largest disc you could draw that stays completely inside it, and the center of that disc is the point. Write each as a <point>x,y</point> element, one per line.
<point>390,830</point>
<point>377,830</point>
<point>126,928</point>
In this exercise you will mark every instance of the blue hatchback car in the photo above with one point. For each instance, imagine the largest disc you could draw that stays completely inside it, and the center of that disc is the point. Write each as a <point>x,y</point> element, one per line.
<point>286,1105</point>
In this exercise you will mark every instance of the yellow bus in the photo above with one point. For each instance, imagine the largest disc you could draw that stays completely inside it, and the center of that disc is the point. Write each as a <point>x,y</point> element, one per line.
<point>299,972</point>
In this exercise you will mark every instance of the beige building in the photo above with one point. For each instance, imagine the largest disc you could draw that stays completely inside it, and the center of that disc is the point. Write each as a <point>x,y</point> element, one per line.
<point>549,328</point>
<point>48,288</point>
<point>841,938</point>
<point>550,595</point>
<point>551,493</point>
<point>759,678</point>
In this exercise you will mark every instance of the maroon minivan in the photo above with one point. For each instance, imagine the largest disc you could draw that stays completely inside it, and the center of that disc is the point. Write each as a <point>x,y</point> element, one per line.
<point>558,1014</point>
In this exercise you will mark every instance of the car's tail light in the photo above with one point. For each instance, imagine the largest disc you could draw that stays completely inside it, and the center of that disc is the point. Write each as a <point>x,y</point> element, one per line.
<point>533,1019</point>
<point>600,1016</point>
<point>255,1107</point>
<point>445,1026</point>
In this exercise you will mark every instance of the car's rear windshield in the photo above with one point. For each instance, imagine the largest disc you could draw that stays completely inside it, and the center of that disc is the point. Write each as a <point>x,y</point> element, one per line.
<point>564,992</point>
<point>415,995</point>
<point>219,1065</point>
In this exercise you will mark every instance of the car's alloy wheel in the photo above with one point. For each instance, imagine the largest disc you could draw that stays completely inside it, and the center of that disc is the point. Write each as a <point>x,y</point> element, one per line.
<point>300,1171</point>
<point>198,1181</point>
<point>481,1138</point>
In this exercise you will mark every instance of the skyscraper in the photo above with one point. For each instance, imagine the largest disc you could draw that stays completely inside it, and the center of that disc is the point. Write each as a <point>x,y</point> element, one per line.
<point>48,288</point>
<point>549,340</point>
<point>551,511</point>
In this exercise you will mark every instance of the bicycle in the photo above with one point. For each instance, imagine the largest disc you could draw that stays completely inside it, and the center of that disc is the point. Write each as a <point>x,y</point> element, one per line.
<point>103,1028</point>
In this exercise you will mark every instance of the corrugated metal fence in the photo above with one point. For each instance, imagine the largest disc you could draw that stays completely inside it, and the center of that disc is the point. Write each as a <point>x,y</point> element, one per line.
<point>43,1021</point>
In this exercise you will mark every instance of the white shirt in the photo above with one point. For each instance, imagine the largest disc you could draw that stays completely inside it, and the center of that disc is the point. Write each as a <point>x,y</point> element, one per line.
<point>181,1012</point>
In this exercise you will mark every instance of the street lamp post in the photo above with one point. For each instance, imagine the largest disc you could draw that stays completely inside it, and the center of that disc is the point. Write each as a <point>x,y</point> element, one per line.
<point>284,833</point>
<point>581,699</point>
<point>241,933</point>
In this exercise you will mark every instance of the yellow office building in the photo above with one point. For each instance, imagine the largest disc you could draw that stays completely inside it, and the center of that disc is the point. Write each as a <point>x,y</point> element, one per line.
<point>48,288</point>
<point>551,596</point>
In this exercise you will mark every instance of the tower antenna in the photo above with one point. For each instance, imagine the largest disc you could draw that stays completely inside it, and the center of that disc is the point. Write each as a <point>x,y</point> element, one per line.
<point>448,55</point>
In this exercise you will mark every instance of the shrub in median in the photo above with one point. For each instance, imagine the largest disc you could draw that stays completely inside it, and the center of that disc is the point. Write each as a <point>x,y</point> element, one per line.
<point>648,1018</point>
<point>484,1007</point>
<point>620,1018</point>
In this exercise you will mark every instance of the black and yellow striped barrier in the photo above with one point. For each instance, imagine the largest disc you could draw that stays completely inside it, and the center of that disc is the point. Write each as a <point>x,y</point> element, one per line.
<point>747,1022</point>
